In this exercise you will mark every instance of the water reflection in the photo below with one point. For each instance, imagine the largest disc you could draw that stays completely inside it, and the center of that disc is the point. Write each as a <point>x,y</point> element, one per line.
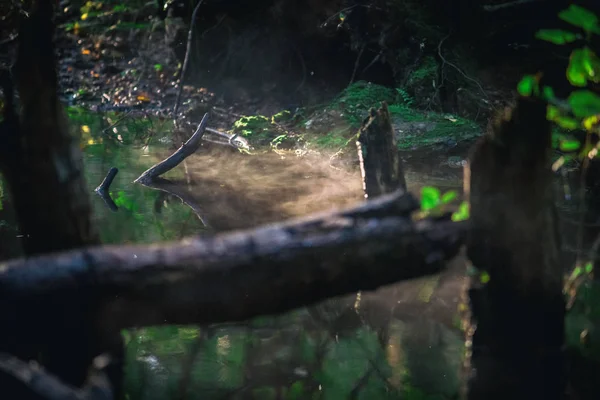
<point>401,341</point>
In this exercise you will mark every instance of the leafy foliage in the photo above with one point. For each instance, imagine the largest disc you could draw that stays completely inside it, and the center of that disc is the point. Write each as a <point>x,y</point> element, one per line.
<point>581,110</point>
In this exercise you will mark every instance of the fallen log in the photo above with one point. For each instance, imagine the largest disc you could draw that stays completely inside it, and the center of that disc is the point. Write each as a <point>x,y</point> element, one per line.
<point>234,276</point>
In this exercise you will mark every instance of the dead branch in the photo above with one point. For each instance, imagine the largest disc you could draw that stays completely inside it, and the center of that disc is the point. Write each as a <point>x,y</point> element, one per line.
<point>187,149</point>
<point>186,59</point>
<point>24,380</point>
<point>232,140</point>
<point>239,275</point>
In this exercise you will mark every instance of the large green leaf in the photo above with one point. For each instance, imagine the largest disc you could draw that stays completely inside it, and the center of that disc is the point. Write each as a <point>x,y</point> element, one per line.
<point>430,198</point>
<point>581,17</point>
<point>584,103</point>
<point>556,36</point>
<point>584,66</point>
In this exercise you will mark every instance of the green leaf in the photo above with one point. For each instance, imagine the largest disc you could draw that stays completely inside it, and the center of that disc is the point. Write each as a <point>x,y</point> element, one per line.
<point>527,86</point>
<point>576,272</point>
<point>430,198</point>
<point>581,17</point>
<point>566,122</point>
<point>584,103</point>
<point>158,67</point>
<point>449,196</point>
<point>556,36</point>
<point>569,145</point>
<point>484,277</point>
<point>548,93</point>
<point>584,65</point>
<point>589,267</point>
<point>591,64</point>
<point>462,213</point>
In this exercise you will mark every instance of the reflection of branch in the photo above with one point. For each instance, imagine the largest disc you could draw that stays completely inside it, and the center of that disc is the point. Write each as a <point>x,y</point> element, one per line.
<point>168,187</point>
<point>187,149</point>
<point>29,380</point>
<point>102,190</point>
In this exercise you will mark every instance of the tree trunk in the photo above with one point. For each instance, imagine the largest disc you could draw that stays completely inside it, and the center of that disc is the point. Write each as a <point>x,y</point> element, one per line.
<point>43,167</point>
<point>516,296</point>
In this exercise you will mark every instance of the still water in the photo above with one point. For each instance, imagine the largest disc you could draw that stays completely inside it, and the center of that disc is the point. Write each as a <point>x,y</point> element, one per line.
<point>400,342</point>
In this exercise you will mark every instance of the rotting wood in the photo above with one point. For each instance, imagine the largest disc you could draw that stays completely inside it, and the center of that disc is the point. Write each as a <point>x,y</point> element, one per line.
<point>187,149</point>
<point>517,304</point>
<point>380,162</point>
<point>234,276</point>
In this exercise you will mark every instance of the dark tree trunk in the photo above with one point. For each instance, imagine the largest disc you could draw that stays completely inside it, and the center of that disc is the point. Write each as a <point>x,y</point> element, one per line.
<point>43,168</point>
<point>519,311</point>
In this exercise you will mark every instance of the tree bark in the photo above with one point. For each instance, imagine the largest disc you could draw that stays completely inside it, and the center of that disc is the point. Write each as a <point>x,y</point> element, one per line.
<point>516,298</point>
<point>380,162</point>
<point>224,278</point>
<point>43,167</point>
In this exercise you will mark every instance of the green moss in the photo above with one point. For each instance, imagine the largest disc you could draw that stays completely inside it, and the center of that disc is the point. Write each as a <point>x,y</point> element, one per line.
<point>336,138</point>
<point>356,100</point>
<point>280,117</point>
<point>420,129</point>
<point>424,74</point>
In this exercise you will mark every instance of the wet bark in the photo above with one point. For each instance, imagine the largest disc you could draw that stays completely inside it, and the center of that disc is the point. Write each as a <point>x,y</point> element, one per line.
<point>380,162</point>
<point>519,312</point>
<point>223,278</point>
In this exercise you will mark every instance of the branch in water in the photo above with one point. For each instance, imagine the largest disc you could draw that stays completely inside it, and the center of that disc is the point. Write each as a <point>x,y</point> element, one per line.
<point>187,149</point>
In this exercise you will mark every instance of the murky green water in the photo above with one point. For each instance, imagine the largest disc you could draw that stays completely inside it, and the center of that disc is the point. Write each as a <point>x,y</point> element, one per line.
<point>400,342</point>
